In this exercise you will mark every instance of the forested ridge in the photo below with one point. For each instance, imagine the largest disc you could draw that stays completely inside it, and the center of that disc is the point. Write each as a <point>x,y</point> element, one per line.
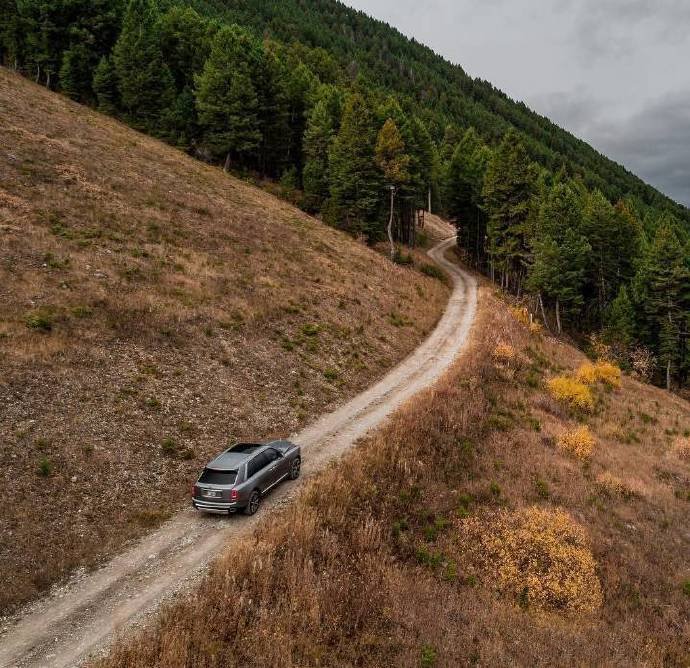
<point>340,107</point>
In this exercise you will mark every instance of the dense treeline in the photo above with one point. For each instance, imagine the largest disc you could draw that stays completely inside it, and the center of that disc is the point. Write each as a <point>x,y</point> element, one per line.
<point>585,263</point>
<point>340,107</point>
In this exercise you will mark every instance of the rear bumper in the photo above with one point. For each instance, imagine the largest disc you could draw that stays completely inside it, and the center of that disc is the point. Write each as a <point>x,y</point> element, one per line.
<point>215,506</point>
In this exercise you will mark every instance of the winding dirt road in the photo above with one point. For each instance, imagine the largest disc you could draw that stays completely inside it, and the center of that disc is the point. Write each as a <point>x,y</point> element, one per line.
<point>67,627</point>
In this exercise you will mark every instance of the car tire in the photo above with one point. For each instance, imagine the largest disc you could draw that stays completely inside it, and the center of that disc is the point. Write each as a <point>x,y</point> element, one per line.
<point>295,467</point>
<point>253,503</point>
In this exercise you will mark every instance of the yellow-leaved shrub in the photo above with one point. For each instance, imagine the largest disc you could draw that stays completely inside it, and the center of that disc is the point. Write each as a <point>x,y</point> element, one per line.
<point>522,315</point>
<point>504,353</point>
<point>571,392</point>
<point>540,557</point>
<point>602,371</point>
<point>578,442</point>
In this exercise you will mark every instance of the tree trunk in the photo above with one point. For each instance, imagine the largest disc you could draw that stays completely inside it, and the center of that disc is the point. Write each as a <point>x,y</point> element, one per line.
<point>226,167</point>
<point>429,199</point>
<point>543,312</point>
<point>390,226</point>
<point>558,317</point>
<point>668,375</point>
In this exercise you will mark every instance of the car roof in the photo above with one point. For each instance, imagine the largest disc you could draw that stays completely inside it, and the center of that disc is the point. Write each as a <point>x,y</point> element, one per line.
<point>235,456</point>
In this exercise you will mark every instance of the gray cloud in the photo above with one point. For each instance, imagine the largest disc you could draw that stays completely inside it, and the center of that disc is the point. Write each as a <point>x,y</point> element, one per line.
<point>656,140</point>
<point>617,27</point>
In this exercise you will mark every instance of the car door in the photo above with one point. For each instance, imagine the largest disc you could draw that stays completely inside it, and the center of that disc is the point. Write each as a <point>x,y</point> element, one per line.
<point>256,472</point>
<point>274,470</point>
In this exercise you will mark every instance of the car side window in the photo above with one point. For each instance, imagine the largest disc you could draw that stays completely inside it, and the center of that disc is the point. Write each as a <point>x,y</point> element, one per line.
<point>255,465</point>
<point>271,455</point>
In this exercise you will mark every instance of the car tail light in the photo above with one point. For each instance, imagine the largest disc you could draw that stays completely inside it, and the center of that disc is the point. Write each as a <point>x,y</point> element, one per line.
<point>233,495</point>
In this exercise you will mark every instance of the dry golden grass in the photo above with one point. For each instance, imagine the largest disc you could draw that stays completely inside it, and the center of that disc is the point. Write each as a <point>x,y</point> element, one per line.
<point>681,449</point>
<point>365,569</point>
<point>612,485</point>
<point>578,442</point>
<point>147,299</point>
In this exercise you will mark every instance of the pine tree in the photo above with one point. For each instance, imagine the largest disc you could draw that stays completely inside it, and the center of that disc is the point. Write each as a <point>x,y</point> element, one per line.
<point>76,73</point>
<point>145,83</point>
<point>226,99</point>
<point>390,155</point>
<point>560,252</point>
<point>12,33</point>
<point>393,162</point>
<point>462,189</point>
<point>355,183</point>
<point>423,161</point>
<point>318,138</point>
<point>105,87</point>
<point>507,192</point>
<point>558,272</point>
<point>666,278</point>
<point>619,330</point>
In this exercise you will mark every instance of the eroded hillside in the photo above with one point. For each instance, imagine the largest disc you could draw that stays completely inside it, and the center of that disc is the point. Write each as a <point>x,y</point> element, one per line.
<point>530,510</point>
<point>152,309</point>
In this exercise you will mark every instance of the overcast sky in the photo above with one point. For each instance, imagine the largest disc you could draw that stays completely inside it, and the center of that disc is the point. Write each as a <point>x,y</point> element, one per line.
<point>614,72</point>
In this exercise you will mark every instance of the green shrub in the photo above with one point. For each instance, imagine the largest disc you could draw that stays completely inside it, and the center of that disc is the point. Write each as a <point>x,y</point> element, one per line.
<point>429,656</point>
<point>404,259</point>
<point>434,272</point>
<point>311,330</point>
<point>169,446</point>
<point>82,312</point>
<point>41,320</point>
<point>44,467</point>
<point>331,374</point>
<point>542,488</point>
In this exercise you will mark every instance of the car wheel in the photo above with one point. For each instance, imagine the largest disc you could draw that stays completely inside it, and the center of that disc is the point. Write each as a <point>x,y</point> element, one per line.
<point>254,503</point>
<point>295,469</point>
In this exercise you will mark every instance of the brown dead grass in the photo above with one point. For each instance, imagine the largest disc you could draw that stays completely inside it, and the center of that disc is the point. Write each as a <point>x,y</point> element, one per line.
<point>148,299</point>
<point>372,567</point>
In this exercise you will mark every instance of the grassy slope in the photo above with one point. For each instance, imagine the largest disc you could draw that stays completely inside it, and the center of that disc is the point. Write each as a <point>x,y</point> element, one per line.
<point>375,565</point>
<point>185,309</point>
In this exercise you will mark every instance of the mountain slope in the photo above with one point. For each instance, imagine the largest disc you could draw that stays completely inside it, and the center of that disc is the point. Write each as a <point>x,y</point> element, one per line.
<point>443,91</point>
<point>465,533</point>
<point>153,309</point>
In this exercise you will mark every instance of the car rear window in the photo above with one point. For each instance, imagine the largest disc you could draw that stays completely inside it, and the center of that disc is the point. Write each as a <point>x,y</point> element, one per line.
<point>213,477</point>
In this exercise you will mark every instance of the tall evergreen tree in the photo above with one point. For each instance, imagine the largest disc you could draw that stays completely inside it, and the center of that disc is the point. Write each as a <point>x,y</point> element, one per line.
<point>462,189</point>
<point>666,278</point>
<point>355,183</point>
<point>145,83</point>
<point>619,320</point>
<point>507,191</point>
<point>318,138</point>
<point>105,87</point>
<point>76,73</point>
<point>226,99</point>
<point>12,33</point>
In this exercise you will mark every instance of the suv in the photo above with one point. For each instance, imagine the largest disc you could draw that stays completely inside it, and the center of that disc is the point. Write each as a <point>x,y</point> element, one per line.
<point>239,477</point>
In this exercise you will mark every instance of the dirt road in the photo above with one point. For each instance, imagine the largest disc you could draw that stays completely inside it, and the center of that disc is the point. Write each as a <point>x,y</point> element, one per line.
<point>65,628</point>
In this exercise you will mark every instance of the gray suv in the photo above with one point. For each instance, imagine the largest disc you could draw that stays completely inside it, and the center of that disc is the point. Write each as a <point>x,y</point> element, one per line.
<point>239,477</point>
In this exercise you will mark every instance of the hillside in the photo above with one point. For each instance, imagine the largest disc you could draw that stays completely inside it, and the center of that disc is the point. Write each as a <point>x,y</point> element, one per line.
<point>152,309</point>
<point>339,112</point>
<point>423,79</point>
<point>487,524</point>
